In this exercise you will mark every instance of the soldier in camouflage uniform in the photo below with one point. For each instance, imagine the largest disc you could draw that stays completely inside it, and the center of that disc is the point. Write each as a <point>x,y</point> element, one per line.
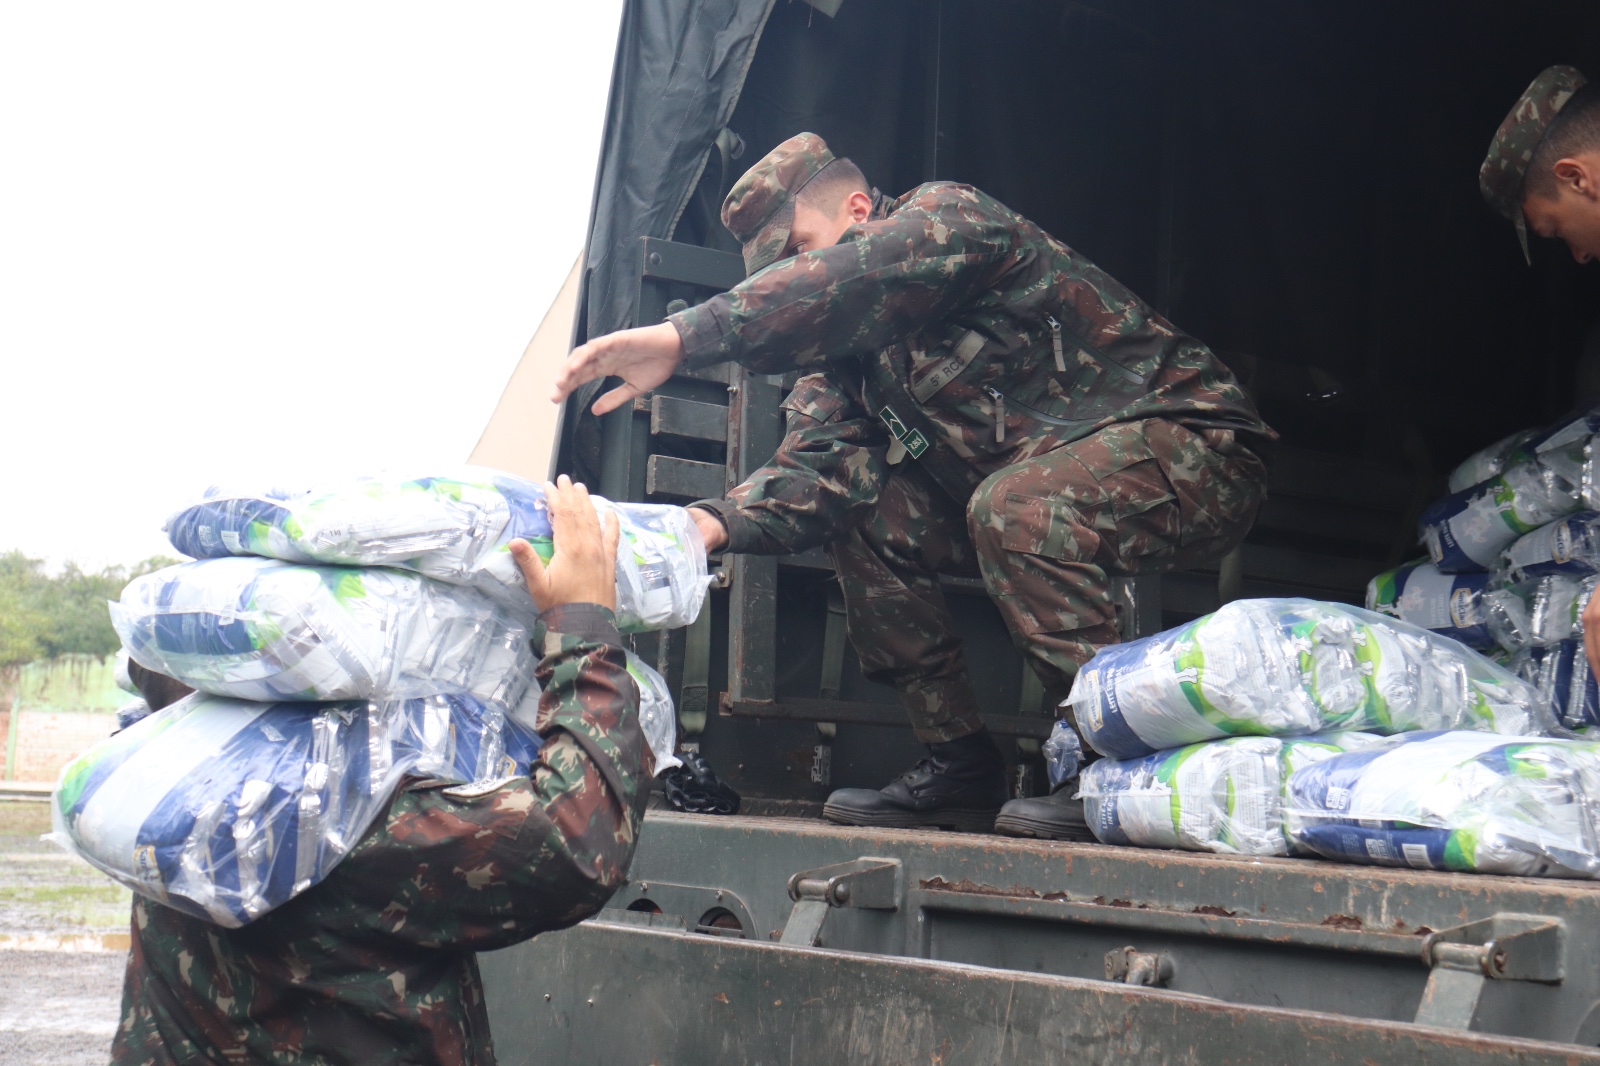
<point>1543,172</point>
<point>376,964</point>
<point>983,400</point>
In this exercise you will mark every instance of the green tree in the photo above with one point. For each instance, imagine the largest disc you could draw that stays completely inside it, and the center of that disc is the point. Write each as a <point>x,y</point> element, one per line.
<point>44,615</point>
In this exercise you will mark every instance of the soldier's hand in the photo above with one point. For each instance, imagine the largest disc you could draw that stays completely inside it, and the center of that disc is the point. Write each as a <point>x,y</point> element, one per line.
<point>710,527</point>
<point>583,568</point>
<point>1591,633</point>
<point>643,358</point>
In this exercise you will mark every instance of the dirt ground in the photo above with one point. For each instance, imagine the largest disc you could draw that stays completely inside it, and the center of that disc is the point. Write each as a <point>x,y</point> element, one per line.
<point>63,939</point>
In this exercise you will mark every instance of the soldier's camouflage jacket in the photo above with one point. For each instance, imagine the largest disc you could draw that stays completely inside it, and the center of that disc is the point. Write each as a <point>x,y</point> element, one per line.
<point>376,963</point>
<point>950,332</point>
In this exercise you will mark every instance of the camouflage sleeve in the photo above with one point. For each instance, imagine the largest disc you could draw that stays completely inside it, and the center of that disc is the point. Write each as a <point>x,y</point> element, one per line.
<point>827,471</point>
<point>488,867</point>
<point>883,281</point>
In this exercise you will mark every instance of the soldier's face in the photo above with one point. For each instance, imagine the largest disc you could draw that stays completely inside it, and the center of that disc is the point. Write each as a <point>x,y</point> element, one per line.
<point>1574,215</point>
<point>814,229</point>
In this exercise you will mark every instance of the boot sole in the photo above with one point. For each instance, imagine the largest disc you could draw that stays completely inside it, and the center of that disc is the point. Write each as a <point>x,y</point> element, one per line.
<point>966,821</point>
<point>1013,825</point>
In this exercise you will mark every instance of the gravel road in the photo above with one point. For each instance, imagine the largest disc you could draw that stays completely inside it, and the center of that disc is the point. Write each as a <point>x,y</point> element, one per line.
<point>63,943</point>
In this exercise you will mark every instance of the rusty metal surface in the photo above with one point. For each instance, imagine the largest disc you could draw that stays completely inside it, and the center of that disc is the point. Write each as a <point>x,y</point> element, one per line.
<point>638,991</point>
<point>1274,933</point>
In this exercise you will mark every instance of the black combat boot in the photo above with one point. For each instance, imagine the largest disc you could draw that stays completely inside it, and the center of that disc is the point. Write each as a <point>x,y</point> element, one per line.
<point>1054,817</point>
<point>960,785</point>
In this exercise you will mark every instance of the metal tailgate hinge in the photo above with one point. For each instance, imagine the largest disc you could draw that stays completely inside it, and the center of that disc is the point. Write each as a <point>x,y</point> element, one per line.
<point>1503,947</point>
<point>869,883</point>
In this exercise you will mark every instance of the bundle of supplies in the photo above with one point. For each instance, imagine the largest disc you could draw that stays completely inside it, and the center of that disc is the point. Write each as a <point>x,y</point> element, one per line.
<point>1222,796</point>
<point>225,808</point>
<point>1286,667</point>
<point>455,529</point>
<point>1547,477</point>
<point>258,629</point>
<point>1454,801</point>
<point>1449,604</point>
<point>340,641</point>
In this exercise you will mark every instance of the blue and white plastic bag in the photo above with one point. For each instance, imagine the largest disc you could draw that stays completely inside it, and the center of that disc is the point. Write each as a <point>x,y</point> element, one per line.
<point>1569,547</point>
<point>1223,795</point>
<point>1547,477</point>
<point>1286,667</point>
<point>1451,605</point>
<point>225,809</point>
<point>454,528</point>
<point>1455,801</point>
<point>258,629</point>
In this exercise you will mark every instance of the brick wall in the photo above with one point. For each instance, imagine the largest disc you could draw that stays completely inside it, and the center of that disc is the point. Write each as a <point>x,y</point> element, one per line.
<point>48,740</point>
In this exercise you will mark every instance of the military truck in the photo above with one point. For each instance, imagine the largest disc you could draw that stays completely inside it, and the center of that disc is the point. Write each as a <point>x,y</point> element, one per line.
<point>1293,183</point>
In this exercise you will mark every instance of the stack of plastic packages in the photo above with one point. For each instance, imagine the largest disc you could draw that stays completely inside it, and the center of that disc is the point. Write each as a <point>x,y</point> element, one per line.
<point>1514,553</point>
<point>1205,727</point>
<point>321,686</point>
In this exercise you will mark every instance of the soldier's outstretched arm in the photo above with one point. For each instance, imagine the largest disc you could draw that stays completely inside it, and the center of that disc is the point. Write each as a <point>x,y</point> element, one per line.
<point>827,472</point>
<point>881,283</point>
<point>539,852</point>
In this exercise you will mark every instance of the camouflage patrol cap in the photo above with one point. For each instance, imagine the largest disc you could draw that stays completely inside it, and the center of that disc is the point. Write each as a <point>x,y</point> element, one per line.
<point>758,208</point>
<point>1501,176</point>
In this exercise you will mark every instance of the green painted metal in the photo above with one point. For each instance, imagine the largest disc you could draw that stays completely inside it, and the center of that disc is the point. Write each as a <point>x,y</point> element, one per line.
<point>1251,934</point>
<point>625,991</point>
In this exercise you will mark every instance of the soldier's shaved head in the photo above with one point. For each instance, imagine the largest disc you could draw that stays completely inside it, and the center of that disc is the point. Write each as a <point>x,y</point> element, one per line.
<point>1574,132</point>
<point>827,190</point>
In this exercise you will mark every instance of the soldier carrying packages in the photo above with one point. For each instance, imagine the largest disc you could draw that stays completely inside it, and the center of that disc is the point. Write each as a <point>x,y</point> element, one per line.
<point>454,528</point>
<point>225,809</point>
<point>1282,667</point>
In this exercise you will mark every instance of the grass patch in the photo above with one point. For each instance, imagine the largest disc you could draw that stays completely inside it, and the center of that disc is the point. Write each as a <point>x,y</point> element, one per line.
<point>63,895</point>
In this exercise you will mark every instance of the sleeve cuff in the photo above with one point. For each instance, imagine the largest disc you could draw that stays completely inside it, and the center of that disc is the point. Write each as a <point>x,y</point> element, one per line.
<point>702,334</point>
<point>586,621</point>
<point>744,536</point>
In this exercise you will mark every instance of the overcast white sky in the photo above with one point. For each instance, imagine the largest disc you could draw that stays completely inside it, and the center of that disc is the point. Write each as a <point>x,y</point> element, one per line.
<point>248,241</point>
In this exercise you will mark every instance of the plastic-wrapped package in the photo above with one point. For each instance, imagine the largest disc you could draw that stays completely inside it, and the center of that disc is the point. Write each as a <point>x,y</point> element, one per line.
<point>1489,462</point>
<point>258,629</point>
<point>225,809</point>
<point>1063,754</point>
<point>656,714</point>
<point>1561,674</point>
<point>1451,605</point>
<point>1454,801</point>
<point>1570,546</point>
<point>1469,529</point>
<point>1223,795</point>
<point>1537,612</point>
<point>1282,667</point>
<point>132,711</point>
<point>454,528</point>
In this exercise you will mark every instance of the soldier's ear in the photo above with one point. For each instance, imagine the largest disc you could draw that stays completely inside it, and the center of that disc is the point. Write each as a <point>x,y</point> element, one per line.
<point>1581,175</point>
<point>858,205</point>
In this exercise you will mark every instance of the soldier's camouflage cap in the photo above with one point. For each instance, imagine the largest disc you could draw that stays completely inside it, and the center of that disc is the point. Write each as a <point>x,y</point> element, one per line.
<point>1501,176</point>
<point>759,208</point>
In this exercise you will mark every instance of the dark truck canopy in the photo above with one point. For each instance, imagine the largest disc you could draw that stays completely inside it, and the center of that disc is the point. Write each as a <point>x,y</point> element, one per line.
<point>1293,183</point>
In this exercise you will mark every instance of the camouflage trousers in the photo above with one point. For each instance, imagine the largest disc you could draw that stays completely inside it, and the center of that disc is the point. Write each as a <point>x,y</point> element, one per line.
<point>1046,535</point>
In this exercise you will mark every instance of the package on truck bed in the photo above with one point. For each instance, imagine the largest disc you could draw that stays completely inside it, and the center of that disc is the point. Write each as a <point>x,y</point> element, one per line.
<point>260,629</point>
<point>1451,605</point>
<point>1285,667</point>
<point>1569,547</point>
<point>225,809</point>
<point>1222,796</point>
<point>454,528</point>
<point>1455,801</point>
<point>1489,462</point>
<point>1548,476</point>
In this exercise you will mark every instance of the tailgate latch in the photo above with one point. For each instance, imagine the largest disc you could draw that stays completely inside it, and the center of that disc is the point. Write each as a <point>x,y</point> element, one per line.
<point>870,883</point>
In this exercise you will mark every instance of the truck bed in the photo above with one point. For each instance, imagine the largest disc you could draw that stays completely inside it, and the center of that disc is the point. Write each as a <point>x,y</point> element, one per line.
<point>734,942</point>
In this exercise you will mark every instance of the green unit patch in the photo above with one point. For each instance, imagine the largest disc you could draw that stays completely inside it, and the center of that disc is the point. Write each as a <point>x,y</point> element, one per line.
<point>910,439</point>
